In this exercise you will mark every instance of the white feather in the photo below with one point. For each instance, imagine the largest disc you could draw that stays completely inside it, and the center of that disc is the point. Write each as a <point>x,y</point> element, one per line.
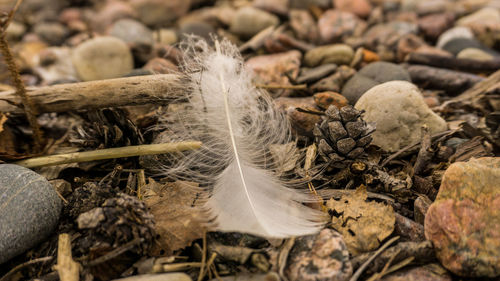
<point>236,124</point>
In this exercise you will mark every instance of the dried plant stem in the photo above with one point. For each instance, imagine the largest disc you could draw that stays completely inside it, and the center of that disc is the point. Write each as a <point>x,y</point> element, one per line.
<point>8,275</point>
<point>110,153</point>
<point>29,108</point>
<point>66,267</point>
<point>360,270</point>
<point>137,90</point>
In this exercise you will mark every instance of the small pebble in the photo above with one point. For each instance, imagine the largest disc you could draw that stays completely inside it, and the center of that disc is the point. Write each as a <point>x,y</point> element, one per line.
<point>456,45</point>
<point>435,24</point>
<point>51,32</point>
<point>29,210</point>
<point>165,36</point>
<point>474,54</point>
<point>132,32</point>
<point>304,26</point>
<point>248,21</point>
<point>335,81</point>
<point>453,33</point>
<point>464,220</point>
<point>315,74</point>
<point>160,12</point>
<point>15,30</point>
<point>102,58</point>
<point>399,111</point>
<point>372,75</point>
<point>323,256</point>
<point>325,99</point>
<point>161,66</point>
<point>360,8</point>
<point>336,54</point>
<point>198,28</point>
<point>334,25</point>
<point>270,69</point>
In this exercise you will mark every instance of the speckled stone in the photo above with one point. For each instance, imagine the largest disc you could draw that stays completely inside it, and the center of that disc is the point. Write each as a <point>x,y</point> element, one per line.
<point>29,210</point>
<point>399,111</point>
<point>323,256</point>
<point>463,223</point>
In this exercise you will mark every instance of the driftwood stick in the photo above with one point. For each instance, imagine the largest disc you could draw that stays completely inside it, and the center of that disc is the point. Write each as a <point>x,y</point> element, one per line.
<point>468,65</point>
<point>453,82</point>
<point>109,153</point>
<point>137,90</point>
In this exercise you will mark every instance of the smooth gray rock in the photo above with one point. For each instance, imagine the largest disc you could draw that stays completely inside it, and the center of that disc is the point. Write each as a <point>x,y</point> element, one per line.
<point>399,111</point>
<point>371,75</point>
<point>102,58</point>
<point>456,45</point>
<point>355,87</point>
<point>382,72</point>
<point>29,210</point>
<point>132,32</point>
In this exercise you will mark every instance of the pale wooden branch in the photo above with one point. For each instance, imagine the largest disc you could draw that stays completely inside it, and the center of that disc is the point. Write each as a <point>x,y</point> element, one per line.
<point>109,153</point>
<point>136,90</point>
<point>66,267</point>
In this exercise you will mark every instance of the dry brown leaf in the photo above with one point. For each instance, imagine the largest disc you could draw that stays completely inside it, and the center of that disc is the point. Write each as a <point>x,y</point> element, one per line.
<point>177,222</point>
<point>363,224</point>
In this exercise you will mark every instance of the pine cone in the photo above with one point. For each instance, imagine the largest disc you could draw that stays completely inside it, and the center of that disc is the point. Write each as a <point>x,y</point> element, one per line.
<point>107,128</point>
<point>343,134</point>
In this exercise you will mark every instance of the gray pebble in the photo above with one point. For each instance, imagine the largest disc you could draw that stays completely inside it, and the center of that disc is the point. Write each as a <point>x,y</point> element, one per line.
<point>29,210</point>
<point>132,32</point>
<point>371,75</point>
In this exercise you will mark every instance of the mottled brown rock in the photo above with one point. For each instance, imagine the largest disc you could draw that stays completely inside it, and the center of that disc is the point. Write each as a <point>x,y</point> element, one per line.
<point>433,25</point>
<point>334,25</point>
<point>464,221</point>
<point>325,99</point>
<point>303,25</point>
<point>360,8</point>
<point>271,69</point>
<point>321,257</point>
<point>302,123</point>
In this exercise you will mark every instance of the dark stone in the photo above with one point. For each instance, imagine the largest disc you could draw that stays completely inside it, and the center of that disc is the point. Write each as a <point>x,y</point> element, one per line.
<point>29,210</point>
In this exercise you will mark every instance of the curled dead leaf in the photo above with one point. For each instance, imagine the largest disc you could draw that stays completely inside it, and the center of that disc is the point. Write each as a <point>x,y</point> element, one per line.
<point>363,224</point>
<point>177,222</point>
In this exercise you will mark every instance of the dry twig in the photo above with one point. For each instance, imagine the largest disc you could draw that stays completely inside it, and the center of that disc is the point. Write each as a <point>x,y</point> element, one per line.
<point>109,153</point>
<point>68,269</point>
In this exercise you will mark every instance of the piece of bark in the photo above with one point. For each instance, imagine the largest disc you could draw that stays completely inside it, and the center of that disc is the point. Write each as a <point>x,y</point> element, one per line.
<point>453,82</point>
<point>477,93</point>
<point>137,90</point>
<point>468,65</point>
<point>67,268</point>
